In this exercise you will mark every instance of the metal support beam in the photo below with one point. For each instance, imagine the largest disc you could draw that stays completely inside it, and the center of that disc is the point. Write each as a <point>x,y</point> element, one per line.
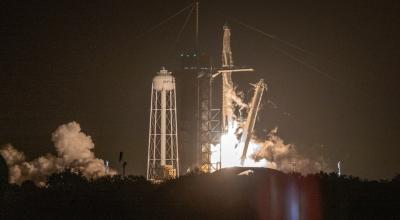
<point>251,118</point>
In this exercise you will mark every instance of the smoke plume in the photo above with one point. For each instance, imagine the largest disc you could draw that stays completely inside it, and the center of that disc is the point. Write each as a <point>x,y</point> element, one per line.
<point>231,98</point>
<point>271,152</point>
<point>74,152</point>
<point>285,157</point>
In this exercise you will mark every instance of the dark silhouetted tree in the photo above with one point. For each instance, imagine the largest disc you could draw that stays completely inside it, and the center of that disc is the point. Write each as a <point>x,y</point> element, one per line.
<point>3,174</point>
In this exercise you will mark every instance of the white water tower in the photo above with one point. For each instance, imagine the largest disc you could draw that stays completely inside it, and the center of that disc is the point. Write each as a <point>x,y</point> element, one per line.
<point>163,156</point>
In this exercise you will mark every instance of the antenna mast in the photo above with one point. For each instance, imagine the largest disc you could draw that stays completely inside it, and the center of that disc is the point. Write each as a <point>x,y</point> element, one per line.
<point>197,27</point>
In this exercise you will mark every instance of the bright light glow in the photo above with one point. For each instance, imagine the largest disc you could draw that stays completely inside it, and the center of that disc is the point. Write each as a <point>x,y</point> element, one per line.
<point>231,151</point>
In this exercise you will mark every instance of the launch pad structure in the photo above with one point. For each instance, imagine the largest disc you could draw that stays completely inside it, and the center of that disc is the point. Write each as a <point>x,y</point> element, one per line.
<point>210,123</point>
<point>210,127</point>
<point>208,117</point>
<point>201,129</point>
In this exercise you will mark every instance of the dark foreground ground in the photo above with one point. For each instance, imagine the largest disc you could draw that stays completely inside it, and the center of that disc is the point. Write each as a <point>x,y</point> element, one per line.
<point>264,194</point>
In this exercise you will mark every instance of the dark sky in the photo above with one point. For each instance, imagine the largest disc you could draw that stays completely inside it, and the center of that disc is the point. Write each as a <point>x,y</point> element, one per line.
<point>93,63</point>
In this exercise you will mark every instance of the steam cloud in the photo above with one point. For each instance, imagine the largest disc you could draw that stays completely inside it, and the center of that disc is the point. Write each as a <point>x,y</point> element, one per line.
<point>232,98</point>
<point>74,152</point>
<point>284,157</point>
<point>271,151</point>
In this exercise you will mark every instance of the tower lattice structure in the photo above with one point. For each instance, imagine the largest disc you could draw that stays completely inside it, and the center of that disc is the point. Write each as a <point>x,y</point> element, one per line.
<point>163,153</point>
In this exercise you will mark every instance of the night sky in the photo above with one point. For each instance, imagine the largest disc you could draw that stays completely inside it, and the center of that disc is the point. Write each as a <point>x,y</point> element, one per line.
<point>93,63</point>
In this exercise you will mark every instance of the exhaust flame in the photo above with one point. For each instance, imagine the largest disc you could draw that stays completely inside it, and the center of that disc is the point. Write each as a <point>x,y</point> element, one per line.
<point>270,152</point>
<point>285,157</point>
<point>231,150</point>
<point>74,151</point>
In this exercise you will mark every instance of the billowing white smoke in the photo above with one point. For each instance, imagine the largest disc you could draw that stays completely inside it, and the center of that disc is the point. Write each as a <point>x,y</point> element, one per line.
<point>74,152</point>
<point>284,157</point>
<point>271,152</point>
<point>231,98</point>
<point>75,149</point>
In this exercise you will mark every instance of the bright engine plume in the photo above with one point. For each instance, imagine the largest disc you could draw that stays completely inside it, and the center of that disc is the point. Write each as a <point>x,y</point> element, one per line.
<point>240,147</point>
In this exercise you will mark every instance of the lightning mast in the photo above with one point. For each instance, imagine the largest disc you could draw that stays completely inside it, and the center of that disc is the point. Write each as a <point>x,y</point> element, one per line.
<point>197,27</point>
<point>207,117</point>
